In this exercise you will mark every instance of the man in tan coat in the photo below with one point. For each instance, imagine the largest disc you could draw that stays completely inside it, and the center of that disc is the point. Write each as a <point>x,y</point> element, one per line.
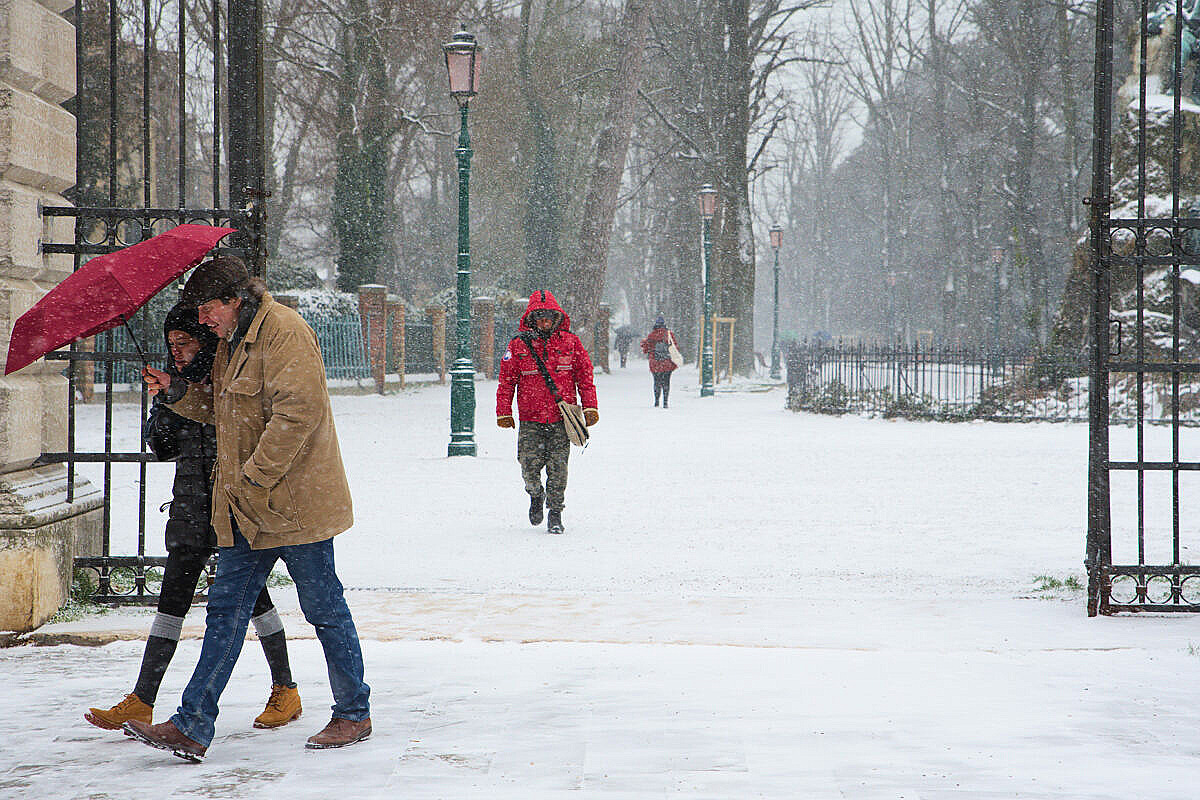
<point>279,493</point>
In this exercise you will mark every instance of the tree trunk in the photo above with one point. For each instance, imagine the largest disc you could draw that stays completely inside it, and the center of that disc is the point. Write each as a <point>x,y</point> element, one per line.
<point>543,208</point>
<point>586,282</point>
<point>734,244</point>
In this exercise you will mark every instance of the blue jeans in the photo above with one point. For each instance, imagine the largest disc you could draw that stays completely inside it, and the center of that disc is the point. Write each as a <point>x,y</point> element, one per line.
<point>241,575</point>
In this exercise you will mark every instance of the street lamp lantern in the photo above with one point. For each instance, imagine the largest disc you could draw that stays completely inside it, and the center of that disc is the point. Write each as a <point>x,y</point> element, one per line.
<point>776,243</point>
<point>708,201</point>
<point>708,207</point>
<point>997,255</point>
<point>462,66</point>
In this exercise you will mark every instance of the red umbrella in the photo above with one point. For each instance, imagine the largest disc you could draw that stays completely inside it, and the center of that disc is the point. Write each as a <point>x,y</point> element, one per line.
<point>107,290</point>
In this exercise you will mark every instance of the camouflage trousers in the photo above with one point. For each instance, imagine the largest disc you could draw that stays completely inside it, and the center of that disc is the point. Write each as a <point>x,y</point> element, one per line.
<point>544,445</point>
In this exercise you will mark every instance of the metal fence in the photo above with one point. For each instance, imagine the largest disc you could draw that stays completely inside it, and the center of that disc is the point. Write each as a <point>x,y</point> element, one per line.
<point>934,383</point>
<point>340,339</point>
<point>342,348</point>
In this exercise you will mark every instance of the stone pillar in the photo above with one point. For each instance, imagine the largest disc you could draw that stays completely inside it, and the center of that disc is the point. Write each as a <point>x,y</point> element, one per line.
<point>395,316</point>
<point>437,318</point>
<point>41,532</point>
<point>371,300</point>
<point>600,344</point>
<point>484,315</point>
<point>510,310</point>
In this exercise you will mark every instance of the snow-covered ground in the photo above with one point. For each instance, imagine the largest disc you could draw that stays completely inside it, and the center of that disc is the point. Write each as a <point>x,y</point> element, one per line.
<point>747,603</point>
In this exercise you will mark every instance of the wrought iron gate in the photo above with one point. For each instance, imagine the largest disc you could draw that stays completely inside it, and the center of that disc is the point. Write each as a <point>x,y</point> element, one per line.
<point>1144,479</point>
<point>153,130</point>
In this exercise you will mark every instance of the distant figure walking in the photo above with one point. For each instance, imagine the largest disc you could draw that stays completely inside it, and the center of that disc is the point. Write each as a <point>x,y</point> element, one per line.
<point>658,348</point>
<point>622,342</point>
<point>544,350</point>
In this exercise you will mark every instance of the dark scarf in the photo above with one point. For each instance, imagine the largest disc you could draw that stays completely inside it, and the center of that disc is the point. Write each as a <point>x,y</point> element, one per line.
<point>246,314</point>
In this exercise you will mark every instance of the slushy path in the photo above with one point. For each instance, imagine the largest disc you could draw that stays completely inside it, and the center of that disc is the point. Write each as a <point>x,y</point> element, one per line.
<point>747,603</point>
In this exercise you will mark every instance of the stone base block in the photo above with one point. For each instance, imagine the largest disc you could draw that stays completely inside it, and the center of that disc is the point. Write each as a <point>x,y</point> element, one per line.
<point>40,535</point>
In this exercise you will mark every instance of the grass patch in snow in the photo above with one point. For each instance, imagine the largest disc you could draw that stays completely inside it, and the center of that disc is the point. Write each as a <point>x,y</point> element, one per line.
<point>1049,583</point>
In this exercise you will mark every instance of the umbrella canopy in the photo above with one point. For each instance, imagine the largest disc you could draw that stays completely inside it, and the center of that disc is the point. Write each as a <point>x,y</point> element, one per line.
<point>107,290</point>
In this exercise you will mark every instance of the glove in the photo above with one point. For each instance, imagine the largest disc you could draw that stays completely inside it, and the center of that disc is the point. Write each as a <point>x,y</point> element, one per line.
<point>591,416</point>
<point>505,422</point>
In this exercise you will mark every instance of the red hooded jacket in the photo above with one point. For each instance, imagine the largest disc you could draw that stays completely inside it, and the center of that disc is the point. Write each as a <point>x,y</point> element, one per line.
<point>565,358</point>
<point>658,335</point>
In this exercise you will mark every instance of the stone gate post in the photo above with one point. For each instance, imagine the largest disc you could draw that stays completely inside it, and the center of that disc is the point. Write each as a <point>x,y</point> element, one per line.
<point>437,317</point>
<point>395,316</point>
<point>41,532</point>
<point>371,310</point>
<point>484,314</point>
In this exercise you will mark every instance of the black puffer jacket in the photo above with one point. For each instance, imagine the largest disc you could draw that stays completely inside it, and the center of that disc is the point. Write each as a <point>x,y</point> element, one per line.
<point>189,523</point>
<point>191,444</point>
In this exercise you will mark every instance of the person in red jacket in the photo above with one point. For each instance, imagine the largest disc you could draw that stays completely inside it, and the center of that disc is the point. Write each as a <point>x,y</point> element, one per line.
<point>657,347</point>
<point>542,442</point>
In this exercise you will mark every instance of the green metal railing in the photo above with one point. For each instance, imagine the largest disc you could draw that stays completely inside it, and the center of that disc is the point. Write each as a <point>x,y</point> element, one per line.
<point>342,347</point>
<point>340,339</point>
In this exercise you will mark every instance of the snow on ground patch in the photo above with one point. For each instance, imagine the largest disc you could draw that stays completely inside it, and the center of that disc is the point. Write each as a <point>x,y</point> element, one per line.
<point>747,603</point>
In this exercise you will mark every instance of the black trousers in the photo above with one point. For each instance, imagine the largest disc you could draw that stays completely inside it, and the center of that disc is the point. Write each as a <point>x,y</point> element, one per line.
<point>662,385</point>
<point>180,576</point>
<point>182,573</point>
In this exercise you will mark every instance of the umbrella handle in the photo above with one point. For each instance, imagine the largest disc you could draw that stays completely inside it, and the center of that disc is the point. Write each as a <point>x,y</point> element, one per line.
<point>136,344</point>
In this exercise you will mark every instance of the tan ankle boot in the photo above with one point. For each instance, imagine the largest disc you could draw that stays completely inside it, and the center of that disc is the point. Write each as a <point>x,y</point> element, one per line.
<point>282,707</point>
<point>129,709</point>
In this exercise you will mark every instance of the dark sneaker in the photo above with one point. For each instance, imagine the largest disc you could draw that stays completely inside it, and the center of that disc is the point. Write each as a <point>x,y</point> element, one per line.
<point>339,733</point>
<point>554,522</point>
<point>166,736</point>
<point>536,503</point>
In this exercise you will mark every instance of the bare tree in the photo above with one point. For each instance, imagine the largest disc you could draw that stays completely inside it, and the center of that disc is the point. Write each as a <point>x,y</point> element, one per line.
<point>612,142</point>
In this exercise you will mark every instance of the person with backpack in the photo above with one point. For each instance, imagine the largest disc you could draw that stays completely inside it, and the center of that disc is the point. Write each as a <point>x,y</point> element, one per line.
<point>543,352</point>
<point>657,347</point>
<point>191,541</point>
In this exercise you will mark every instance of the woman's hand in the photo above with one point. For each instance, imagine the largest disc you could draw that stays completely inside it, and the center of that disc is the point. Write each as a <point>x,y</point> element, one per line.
<point>156,380</point>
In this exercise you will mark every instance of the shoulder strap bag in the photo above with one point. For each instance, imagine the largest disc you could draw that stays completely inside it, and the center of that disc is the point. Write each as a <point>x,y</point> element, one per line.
<point>673,348</point>
<point>572,415</point>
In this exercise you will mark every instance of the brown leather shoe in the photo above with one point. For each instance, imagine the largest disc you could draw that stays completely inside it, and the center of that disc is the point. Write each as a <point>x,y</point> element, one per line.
<point>339,733</point>
<point>165,736</point>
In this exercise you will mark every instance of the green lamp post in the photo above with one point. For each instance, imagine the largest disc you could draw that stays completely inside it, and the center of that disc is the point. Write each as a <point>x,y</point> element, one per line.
<point>462,64</point>
<point>708,207</point>
<point>776,243</point>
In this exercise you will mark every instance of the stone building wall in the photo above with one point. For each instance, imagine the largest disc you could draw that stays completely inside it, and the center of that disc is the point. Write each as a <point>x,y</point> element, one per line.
<point>40,532</point>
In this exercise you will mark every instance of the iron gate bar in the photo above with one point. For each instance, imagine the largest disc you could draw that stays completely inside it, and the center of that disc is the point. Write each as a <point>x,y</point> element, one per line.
<point>94,458</point>
<point>1101,572</point>
<point>1186,466</point>
<point>1152,367</point>
<point>69,355</point>
<point>246,176</point>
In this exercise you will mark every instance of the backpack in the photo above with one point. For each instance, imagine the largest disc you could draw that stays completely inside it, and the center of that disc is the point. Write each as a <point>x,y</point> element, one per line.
<point>662,351</point>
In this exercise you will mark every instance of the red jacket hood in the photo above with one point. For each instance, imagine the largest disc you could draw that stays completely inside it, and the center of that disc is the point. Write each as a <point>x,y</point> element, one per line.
<point>540,300</point>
